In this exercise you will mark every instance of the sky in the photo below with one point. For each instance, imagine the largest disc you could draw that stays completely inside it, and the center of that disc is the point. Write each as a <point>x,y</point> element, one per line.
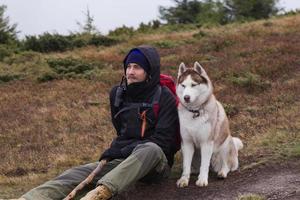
<point>34,17</point>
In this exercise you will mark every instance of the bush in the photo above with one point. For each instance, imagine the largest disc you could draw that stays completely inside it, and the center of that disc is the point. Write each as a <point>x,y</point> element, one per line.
<point>23,57</point>
<point>99,40</point>
<point>200,34</point>
<point>124,30</point>
<point>177,27</point>
<point>9,77</point>
<point>165,44</point>
<point>48,76</point>
<point>291,12</point>
<point>5,51</point>
<point>251,82</point>
<point>143,28</point>
<point>58,43</point>
<point>48,43</point>
<point>69,66</point>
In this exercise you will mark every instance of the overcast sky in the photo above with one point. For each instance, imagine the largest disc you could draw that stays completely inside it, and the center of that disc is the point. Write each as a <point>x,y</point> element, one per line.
<point>38,16</point>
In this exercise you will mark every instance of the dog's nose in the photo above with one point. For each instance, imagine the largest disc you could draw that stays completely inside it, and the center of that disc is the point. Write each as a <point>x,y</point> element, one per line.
<point>187,98</point>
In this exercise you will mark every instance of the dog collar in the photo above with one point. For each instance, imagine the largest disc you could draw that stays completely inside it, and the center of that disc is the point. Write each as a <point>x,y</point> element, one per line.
<point>196,113</point>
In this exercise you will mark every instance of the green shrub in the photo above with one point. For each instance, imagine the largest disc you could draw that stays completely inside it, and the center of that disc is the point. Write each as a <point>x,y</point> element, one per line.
<point>48,43</point>
<point>251,82</point>
<point>23,57</point>
<point>5,51</point>
<point>78,42</point>
<point>165,44</point>
<point>47,76</point>
<point>124,30</point>
<point>200,34</point>
<point>58,43</point>
<point>177,27</point>
<point>69,66</point>
<point>99,40</point>
<point>291,12</point>
<point>268,24</point>
<point>9,77</point>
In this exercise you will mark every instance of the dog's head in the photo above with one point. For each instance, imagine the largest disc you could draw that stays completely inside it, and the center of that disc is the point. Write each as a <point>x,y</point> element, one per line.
<point>193,85</point>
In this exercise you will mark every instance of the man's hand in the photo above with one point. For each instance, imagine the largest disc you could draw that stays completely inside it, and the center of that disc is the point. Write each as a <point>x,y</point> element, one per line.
<point>99,193</point>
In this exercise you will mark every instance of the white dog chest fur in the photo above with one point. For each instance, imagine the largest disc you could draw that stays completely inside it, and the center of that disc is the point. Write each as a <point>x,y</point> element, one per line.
<point>198,129</point>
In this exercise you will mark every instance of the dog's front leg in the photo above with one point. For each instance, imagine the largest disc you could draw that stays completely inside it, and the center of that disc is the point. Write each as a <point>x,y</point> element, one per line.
<point>187,149</point>
<point>206,153</point>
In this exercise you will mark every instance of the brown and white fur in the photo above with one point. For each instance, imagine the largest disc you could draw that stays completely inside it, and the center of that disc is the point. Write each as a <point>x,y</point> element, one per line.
<point>204,127</point>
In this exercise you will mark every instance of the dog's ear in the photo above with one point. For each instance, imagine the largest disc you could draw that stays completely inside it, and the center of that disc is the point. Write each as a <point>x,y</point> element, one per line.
<point>182,69</point>
<point>199,69</point>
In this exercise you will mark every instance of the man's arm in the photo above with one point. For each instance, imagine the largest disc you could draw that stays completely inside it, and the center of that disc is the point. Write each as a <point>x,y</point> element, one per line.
<point>113,109</point>
<point>112,153</point>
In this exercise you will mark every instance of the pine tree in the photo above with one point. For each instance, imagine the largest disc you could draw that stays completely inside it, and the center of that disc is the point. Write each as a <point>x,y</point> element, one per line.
<point>88,26</point>
<point>255,9</point>
<point>8,33</point>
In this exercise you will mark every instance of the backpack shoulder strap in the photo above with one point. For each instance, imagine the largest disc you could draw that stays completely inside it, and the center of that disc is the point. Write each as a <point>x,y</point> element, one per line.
<point>155,104</point>
<point>155,101</point>
<point>129,106</point>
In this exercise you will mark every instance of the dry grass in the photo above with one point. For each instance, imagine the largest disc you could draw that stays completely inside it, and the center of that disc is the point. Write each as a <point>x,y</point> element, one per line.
<point>250,197</point>
<point>48,127</point>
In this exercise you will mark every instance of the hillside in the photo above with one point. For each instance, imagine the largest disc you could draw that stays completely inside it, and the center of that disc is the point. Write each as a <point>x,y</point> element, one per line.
<point>54,110</point>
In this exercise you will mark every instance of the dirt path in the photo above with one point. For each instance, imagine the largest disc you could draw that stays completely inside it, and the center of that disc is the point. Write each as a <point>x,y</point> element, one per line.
<point>277,181</point>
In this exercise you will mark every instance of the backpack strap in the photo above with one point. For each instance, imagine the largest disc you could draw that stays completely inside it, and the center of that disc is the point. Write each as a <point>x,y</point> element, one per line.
<point>155,101</point>
<point>129,106</point>
<point>154,104</point>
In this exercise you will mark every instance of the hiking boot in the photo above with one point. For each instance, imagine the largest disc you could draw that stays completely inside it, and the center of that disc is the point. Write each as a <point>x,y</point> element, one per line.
<point>100,193</point>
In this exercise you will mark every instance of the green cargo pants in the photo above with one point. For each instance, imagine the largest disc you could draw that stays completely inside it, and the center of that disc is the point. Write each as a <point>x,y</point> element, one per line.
<point>146,163</point>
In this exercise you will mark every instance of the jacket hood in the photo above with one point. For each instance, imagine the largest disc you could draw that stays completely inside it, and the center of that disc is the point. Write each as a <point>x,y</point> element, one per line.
<point>148,86</point>
<point>153,58</point>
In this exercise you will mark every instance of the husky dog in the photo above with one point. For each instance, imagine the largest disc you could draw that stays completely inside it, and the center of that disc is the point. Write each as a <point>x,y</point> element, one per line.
<point>204,127</point>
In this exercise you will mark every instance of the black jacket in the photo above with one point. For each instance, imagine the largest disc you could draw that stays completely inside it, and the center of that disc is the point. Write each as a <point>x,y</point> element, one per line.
<point>161,129</point>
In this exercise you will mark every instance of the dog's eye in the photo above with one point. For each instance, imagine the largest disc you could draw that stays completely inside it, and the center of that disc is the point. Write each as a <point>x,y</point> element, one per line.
<point>193,85</point>
<point>183,85</point>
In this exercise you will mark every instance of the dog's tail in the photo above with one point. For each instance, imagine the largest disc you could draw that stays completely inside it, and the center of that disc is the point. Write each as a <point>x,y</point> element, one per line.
<point>237,143</point>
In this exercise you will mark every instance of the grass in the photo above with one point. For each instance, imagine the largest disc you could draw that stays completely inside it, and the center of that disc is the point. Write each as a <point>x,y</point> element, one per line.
<point>250,197</point>
<point>49,125</point>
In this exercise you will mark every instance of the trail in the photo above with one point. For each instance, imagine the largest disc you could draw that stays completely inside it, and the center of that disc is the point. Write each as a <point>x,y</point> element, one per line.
<point>276,181</point>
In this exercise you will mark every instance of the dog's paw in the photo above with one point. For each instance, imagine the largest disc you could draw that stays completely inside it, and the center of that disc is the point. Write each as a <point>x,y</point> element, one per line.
<point>183,182</point>
<point>222,174</point>
<point>202,182</point>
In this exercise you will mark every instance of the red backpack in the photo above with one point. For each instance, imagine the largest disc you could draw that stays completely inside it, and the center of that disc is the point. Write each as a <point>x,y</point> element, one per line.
<point>168,81</point>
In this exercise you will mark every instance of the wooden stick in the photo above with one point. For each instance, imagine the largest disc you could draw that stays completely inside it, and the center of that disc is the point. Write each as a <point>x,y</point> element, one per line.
<point>86,181</point>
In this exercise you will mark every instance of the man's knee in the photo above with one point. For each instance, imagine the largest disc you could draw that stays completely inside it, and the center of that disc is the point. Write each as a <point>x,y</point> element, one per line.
<point>149,149</point>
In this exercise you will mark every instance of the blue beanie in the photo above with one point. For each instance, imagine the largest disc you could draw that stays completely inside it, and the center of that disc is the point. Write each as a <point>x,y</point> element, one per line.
<point>136,56</point>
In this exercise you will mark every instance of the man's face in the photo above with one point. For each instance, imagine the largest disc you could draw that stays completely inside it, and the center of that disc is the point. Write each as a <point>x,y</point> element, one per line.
<point>135,73</point>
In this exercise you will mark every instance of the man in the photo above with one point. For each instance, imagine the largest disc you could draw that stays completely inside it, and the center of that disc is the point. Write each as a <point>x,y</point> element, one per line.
<point>145,144</point>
